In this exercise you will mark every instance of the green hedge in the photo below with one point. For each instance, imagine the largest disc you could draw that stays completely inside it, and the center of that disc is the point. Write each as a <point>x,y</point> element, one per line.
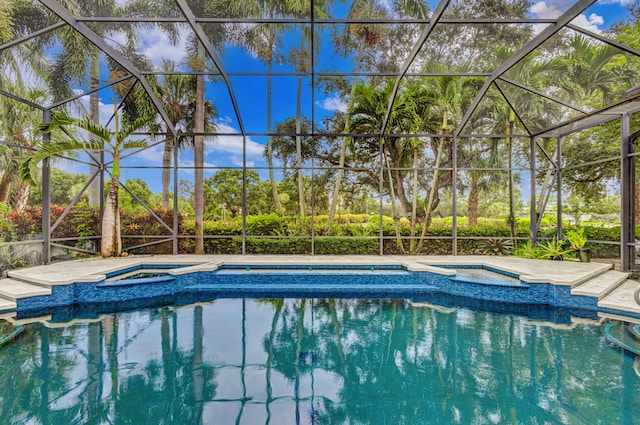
<point>270,234</point>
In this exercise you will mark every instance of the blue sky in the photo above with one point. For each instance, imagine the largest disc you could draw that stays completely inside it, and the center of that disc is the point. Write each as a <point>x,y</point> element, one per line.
<point>250,92</point>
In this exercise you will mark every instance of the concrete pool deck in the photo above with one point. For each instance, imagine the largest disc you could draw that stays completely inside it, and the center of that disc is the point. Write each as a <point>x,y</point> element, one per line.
<point>611,288</point>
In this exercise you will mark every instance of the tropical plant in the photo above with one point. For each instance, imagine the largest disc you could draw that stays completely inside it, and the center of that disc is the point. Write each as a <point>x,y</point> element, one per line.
<point>496,246</point>
<point>576,238</point>
<point>553,249</point>
<point>451,93</point>
<point>367,116</point>
<point>301,61</point>
<point>113,142</point>
<point>527,250</point>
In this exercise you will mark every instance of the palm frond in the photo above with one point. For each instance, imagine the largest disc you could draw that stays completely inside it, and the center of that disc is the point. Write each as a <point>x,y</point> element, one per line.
<point>134,144</point>
<point>129,128</point>
<point>58,120</point>
<point>47,150</point>
<point>103,133</point>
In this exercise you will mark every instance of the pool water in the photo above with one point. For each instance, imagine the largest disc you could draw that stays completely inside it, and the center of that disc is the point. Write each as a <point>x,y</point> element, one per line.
<point>316,361</point>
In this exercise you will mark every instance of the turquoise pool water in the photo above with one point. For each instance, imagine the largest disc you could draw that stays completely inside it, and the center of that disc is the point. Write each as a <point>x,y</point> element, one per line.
<point>315,361</point>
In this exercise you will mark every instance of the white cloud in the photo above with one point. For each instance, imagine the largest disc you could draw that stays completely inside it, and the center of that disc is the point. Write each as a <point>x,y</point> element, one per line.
<point>152,156</point>
<point>156,46</point>
<point>105,109</point>
<point>620,2</point>
<point>186,168</point>
<point>542,10</point>
<point>236,160</point>
<point>387,4</point>
<point>233,144</point>
<point>333,103</point>
<point>590,23</point>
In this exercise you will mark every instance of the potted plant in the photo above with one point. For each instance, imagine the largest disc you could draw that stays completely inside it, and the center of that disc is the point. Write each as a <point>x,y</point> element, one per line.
<point>553,249</point>
<point>577,241</point>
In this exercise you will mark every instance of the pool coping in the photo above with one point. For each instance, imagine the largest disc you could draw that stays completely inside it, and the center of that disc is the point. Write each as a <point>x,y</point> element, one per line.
<point>559,273</point>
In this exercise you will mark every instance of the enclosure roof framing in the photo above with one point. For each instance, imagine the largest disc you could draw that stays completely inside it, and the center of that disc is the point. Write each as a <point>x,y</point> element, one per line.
<point>611,112</point>
<point>544,35</point>
<point>181,14</point>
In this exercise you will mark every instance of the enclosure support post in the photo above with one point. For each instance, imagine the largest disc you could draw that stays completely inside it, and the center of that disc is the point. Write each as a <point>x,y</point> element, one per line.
<point>559,188</point>
<point>454,192</point>
<point>627,177</point>
<point>380,189</point>
<point>244,194</point>
<point>533,219</point>
<point>46,195</point>
<point>176,184</point>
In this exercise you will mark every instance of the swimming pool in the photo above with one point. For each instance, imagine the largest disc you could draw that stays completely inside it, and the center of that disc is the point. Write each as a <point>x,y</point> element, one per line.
<point>317,361</point>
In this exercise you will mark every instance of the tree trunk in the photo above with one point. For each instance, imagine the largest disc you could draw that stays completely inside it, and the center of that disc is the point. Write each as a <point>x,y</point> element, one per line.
<point>301,206</point>
<point>414,199</point>
<point>272,178</point>
<point>166,171</point>
<point>343,148</point>
<point>94,194</point>
<point>20,195</point>
<point>472,207</point>
<point>110,326</point>
<point>392,195</point>
<point>198,159</point>
<point>7,179</point>
<point>431,196</point>
<point>111,244</point>
<point>511,220</point>
<point>400,193</point>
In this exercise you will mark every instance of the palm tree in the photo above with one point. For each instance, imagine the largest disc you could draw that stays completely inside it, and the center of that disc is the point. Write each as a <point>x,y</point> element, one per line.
<point>480,182</point>
<point>19,124</point>
<point>450,94</point>
<point>264,40</point>
<point>177,93</point>
<point>363,36</point>
<point>301,64</point>
<point>79,59</point>
<point>367,115</point>
<point>101,139</point>
<point>18,127</point>
<point>198,154</point>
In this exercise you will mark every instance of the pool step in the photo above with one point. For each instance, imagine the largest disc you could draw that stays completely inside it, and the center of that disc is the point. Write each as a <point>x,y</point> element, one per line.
<point>634,330</point>
<point>7,305</point>
<point>601,285</point>
<point>621,298</point>
<point>12,289</point>
<point>619,335</point>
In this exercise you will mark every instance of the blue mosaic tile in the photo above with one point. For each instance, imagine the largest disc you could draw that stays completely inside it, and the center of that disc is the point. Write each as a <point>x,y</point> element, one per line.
<point>358,282</point>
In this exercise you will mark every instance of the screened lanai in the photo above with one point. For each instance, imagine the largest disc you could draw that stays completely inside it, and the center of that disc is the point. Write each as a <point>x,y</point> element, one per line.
<point>357,127</point>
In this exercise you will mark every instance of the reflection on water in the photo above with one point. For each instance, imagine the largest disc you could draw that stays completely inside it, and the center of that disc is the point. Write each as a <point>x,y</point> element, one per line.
<point>304,361</point>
